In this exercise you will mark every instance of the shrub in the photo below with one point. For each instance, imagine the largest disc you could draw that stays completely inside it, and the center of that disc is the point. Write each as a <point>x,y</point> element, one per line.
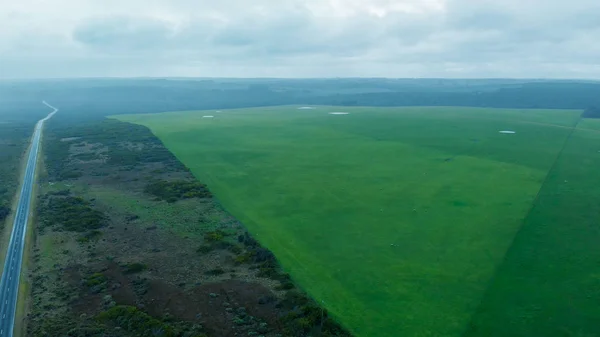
<point>204,249</point>
<point>135,322</point>
<point>172,191</point>
<point>4,212</point>
<point>263,255</point>
<point>306,316</point>
<point>93,235</point>
<point>285,286</point>
<point>214,236</point>
<point>215,272</point>
<point>72,214</point>
<point>244,258</point>
<point>63,193</point>
<point>95,279</point>
<point>235,249</point>
<point>132,268</point>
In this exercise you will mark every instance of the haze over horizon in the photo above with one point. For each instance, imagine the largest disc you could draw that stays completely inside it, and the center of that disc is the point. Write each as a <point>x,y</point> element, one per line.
<point>306,39</point>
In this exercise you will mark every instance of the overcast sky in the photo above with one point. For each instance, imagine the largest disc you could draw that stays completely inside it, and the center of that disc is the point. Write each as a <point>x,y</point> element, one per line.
<point>310,38</point>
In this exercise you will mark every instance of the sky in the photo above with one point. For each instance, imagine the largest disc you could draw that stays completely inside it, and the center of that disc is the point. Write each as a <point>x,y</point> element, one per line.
<point>292,38</point>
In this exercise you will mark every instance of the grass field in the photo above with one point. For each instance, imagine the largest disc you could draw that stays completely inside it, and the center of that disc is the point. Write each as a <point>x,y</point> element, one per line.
<point>549,282</point>
<point>400,219</point>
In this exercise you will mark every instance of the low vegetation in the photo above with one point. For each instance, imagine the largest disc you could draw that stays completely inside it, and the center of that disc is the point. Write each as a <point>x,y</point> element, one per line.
<point>136,322</point>
<point>172,191</point>
<point>140,248</point>
<point>4,211</point>
<point>134,268</point>
<point>117,144</point>
<point>549,281</point>
<point>397,219</point>
<point>412,178</point>
<point>71,213</point>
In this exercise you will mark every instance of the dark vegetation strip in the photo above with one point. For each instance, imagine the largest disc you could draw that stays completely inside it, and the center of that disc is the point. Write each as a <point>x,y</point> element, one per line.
<point>547,284</point>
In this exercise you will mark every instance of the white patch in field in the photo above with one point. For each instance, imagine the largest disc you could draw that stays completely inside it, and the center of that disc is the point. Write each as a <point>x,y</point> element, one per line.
<point>338,113</point>
<point>218,111</point>
<point>507,131</point>
<point>68,139</point>
<point>306,108</point>
<point>208,116</point>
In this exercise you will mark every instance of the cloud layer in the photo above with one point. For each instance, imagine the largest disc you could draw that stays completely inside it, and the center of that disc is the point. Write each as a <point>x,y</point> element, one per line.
<point>310,38</point>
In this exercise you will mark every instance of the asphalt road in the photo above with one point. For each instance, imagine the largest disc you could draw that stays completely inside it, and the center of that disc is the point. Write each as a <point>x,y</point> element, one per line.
<point>9,286</point>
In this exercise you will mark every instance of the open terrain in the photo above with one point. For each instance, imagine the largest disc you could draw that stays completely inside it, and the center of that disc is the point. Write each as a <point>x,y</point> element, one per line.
<point>409,221</point>
<point>549,282</point>
<point>128,243</point>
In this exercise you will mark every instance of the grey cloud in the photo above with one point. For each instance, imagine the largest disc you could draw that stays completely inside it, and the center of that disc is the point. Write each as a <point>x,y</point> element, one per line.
<point>122,32</point>
<point>266,38</point>
<point>299,33</point>
<point>480,19</point>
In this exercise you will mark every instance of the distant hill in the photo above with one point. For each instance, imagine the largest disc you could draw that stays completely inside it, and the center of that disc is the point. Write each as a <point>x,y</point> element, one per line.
<point>96,98</point>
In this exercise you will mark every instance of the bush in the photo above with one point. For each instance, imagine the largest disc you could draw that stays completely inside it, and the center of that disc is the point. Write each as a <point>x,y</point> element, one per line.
<point>72,214</point>
<point>4,212</point>
<point>93,235</point>
<point>95,279</point>
<point>287,285</point>
<point>172,191</point>
<point>133,268</point>
<point>306,316</point>
<point>263,255</point>
<point>244,258</point>
<point>62,193</point>
<point>204,249</point>
<point>214,236</point>
<point>135,322</point>
<point>215,272</point>
<point>235,249</point>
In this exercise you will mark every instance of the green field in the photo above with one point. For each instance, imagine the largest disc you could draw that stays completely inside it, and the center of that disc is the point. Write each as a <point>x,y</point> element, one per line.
<point>412,221</point>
